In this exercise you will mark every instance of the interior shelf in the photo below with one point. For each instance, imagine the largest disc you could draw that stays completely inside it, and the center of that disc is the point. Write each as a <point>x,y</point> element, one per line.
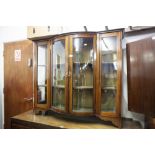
<point>109,87</point>
<point>82,63</point>
<point>83,87</point>
<point>108,52</point>
<point>110,62</point>
<point>59,86</point>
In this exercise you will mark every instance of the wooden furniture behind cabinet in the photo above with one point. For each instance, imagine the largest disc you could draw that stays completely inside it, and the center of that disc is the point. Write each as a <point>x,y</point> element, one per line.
<point>141,76</point>
<point>79,74</point>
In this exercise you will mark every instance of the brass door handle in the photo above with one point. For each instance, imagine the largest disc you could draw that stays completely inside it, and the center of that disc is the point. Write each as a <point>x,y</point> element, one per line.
<point>28,99</point>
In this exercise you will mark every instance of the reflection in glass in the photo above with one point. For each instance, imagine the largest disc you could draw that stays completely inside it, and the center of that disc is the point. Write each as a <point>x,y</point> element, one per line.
<point>58,69</point>
<point>83,57</point>
<point>42,52</point>
<point>108,73</point>
<point>42,75</point>
<point>108,100</point>
<point>41,70</point>
<point>42,95</point>
<point>109,44</point>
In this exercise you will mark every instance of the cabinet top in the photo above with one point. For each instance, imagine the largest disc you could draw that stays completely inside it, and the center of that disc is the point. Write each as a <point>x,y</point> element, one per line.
<point>39,33</point>
<point>59,123</point>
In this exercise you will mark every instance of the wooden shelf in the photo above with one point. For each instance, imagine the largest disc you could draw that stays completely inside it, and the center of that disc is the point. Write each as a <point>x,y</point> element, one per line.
<point>109,52</point>
<point>82,63</point>
<point>83,87</point>
<point>59,86</point>
<point>110,62</point>
<point>109,87</point>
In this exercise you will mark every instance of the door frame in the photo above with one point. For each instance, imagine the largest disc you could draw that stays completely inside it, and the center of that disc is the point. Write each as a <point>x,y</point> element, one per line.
<point>47,104</point>
<point>71,37</point>
<point>65,38</point>
<point>117,112</point>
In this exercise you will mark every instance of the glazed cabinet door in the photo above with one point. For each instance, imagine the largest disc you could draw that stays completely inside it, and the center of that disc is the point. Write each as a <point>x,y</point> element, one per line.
<point>109,81</point>
<point>42,75</point>
<point>59,74</point>
<point>82,71</point>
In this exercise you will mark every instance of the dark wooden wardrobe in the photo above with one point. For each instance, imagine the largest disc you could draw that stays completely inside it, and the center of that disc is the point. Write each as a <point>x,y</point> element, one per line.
<point>141,77</point>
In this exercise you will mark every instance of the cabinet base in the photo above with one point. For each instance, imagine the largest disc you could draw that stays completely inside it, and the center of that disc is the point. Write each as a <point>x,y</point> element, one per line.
<point>117,121</point>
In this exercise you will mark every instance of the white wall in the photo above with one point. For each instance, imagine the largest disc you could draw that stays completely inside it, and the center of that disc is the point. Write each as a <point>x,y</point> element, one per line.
<point>8,34</point>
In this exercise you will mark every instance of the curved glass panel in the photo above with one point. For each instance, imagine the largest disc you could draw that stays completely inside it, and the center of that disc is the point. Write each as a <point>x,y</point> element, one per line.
<point>42,71</point>
<point>108,73</point>
<point>83,58</point>
<point>58,75</point>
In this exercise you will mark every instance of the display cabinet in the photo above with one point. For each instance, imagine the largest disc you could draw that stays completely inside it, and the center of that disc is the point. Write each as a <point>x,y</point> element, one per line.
<point>80,74</point>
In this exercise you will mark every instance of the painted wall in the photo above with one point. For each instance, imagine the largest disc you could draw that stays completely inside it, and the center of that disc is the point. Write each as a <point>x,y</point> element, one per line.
<point>8,34</point>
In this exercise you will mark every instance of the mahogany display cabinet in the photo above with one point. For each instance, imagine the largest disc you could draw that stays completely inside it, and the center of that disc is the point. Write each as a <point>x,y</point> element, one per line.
<point>79,74</point>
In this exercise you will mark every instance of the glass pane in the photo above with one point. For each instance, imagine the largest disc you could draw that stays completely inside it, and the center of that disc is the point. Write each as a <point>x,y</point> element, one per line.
<point>42,95</point>
<point>108,73</point>
<point>41,70</point>
<point>42,52</point>
<point>109,44</point>
<point>58,69</point>
<point>83,57</point>
<point>108,100</point>
<point>41,75</point>
<point>59,98</point>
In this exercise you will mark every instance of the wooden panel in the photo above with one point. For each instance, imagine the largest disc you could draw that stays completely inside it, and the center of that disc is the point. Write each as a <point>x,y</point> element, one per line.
<point>18,79</point>
<point>135,77</point>
<point>141,76</point>
<point>148,46</point>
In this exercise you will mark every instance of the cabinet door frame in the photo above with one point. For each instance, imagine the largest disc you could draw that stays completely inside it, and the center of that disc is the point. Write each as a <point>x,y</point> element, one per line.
<point>117,112</point>
<point>47,104</point>
<point>94,36</point>
<point>65,38</point>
